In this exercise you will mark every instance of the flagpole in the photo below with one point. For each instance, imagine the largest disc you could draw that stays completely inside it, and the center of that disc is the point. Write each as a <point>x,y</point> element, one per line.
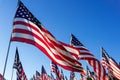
<point>8,51</point>
<point>6,57</point>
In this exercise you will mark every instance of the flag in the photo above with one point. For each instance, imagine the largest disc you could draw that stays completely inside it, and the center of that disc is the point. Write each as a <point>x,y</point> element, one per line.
<point>1,77</point>
<point>44,75</point>
<point>62,75</point>
<point>111,65</point>
<point>107,77</point>
<point>52,77</point>
<point>54,68</point>
<point>72,76</point>
<point>16,60</point>
<point>85,54</point>
<point>18,66</point>
<point>89,74</point>
<point>105,61</point>
<point>37,76</point>
<point>83,77</point>
<point>66,78</point>
<point>33,78</point>
<point>27,29</point>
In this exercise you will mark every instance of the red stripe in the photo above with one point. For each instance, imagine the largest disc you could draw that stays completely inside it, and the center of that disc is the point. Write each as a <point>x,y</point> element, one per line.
<point>93,60</point>
<point>29,25</point>
<point>43,29</point>
<point>19,22</point>
<point>66,57</point>
<point>44,50</point>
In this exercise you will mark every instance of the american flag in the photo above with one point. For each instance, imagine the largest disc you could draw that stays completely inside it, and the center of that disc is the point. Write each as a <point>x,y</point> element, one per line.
<point>111,64</point>
<point>105,60</point>
<point>33,78</point>
<point>89,74</point>
<point>62,75</point>
<point>66,78</point>
<point>18,66</point>
<point>85,54</point>
<point>83,77</point>
<point>52,77</point>
<point>72,76</point>
<point>26,28</point>
<point>1,77</point>
<point>44,75</point>
<point>54,68</point>
<point>37,76</point>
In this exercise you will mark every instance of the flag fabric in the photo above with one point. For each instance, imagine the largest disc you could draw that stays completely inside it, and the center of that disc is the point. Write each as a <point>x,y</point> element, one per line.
<point>52,77</point>
<point>44,75</point>
<point>33,78</point>
<point>37,76</point>
<point>72,76</point>
<point>18,66</point>
<point>2,77</point>
<point>119,64</point>
<point>89,74</point>
<point>105,61</point>
<point>16,60</point>
<point>85,54</point>
<point>111,65</point>
<point>54,68</point>
<point>27,29</point>
<point>62,75</point>
<point>83,77</point>
<point>107,77</point>
<point>66,78</point>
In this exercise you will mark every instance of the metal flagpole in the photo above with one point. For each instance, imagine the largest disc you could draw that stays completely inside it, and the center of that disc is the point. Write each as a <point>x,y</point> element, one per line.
<point>7,52</point>
<point>6,58</point>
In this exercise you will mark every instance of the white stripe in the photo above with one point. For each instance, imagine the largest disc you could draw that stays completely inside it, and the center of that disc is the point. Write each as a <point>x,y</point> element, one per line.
<point>27,28</point>
<point>114,65</point>
<point>48,36</point>
<point>24,20</point>
<point>61,51</point>
<point>20,35</point>
<point>85,56</point>
<point>84,51</point>
<point>71,50</point>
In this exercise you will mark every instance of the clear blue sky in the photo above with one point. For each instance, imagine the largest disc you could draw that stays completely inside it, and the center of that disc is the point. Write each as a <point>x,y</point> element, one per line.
<point>96,23</point>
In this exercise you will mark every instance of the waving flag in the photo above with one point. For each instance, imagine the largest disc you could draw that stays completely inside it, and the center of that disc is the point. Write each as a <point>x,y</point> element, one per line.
<point>52,77</point>
<point>72,76</point>
<point>83,77</point>
<point>62,75</point>
<point>26,28</point>
<point>110,64</point>
<point>54,68</point>
<point>18,66</point>
<point>85,54</point>
<point>66,78</point>
<point>1,77</point>
<point>105,61</point>
<point>44,75</point>
<point>37,76</point>
<point>89,74</point>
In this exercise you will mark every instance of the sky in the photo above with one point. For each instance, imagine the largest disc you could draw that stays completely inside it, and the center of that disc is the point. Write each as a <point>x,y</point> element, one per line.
<point>96,23</point>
